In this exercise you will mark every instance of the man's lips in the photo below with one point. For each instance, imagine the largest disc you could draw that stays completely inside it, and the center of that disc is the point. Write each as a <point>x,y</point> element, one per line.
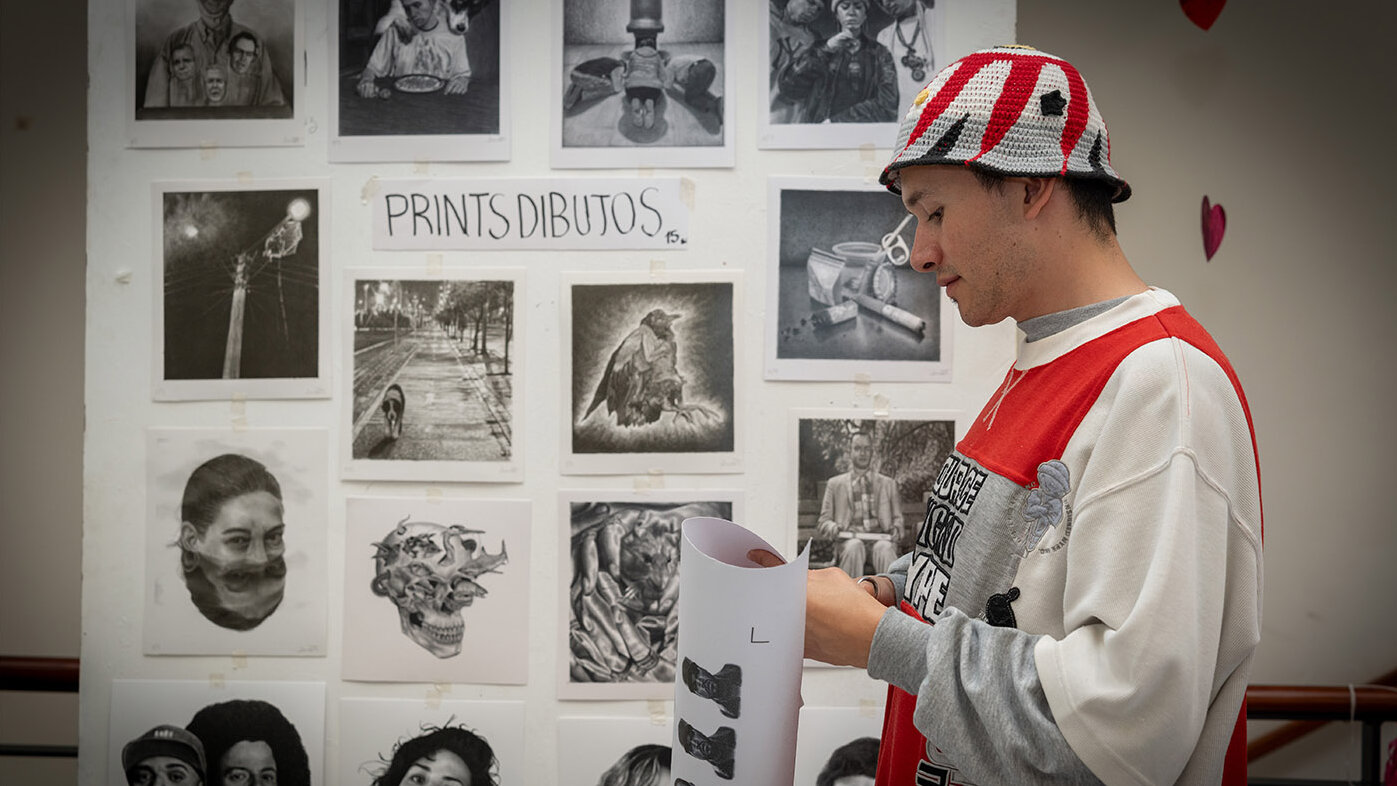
<point>947,281</point>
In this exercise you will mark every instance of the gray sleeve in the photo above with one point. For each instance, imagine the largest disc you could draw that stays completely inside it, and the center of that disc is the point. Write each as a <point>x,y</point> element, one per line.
<point>978,697</point>
<point>897,571</point>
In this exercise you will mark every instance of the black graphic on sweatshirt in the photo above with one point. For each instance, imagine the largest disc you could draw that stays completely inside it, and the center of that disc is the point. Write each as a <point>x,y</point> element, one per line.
<point>998,612</point>
<point>720,749</point>
<point>952,495</point>
<point>725,687</point>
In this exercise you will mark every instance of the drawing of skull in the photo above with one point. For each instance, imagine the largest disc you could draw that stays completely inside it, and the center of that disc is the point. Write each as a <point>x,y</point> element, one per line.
<point>430,572</point>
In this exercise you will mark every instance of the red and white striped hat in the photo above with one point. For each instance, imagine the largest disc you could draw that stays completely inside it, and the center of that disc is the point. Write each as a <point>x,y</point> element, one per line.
<point>1012,110</point>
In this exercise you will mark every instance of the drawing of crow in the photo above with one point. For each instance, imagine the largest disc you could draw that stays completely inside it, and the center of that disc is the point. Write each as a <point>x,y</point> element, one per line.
<point>642,380</point>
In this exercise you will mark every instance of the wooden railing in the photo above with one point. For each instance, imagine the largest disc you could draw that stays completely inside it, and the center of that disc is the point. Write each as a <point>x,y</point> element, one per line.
<point>54,675</point>
<point>1307,707</point>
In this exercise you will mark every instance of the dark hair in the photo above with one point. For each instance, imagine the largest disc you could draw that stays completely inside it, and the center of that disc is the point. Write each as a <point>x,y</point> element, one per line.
<point>223,725</point>
<point>240,35</point>
<point>218,480</point>
<point>1091,196</point>
<point>471,747</point>
<point>857,757</point>
<point>639,766</point>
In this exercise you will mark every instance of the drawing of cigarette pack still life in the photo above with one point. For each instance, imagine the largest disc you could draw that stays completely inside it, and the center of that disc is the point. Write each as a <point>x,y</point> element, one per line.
<point>859,275</point>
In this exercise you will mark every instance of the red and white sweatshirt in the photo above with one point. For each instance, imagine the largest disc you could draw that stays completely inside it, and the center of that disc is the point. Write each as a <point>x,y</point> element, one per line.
<point>1091,564</point>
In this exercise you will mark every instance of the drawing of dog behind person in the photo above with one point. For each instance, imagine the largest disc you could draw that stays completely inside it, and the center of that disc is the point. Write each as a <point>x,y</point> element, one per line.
<point>393,406</point>
<point>456,13</point>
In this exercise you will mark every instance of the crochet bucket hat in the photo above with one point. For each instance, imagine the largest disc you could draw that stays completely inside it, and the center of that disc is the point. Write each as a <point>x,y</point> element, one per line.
<point>1012,110</point>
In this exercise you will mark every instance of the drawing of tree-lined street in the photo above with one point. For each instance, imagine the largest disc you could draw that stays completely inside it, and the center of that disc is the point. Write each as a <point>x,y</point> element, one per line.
<point>446,344</point>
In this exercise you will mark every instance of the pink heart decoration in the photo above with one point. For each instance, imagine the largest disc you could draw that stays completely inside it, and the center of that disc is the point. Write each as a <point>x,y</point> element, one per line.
<point>1214,224</point>
<point>1202,12</point>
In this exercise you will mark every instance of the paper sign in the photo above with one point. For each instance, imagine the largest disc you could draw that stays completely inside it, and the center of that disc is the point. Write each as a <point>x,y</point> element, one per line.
<point>741,642</point>
<point>540,213</point>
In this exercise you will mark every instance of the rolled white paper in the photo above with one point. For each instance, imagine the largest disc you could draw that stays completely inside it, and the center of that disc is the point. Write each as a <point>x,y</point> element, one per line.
<point>741,645</point>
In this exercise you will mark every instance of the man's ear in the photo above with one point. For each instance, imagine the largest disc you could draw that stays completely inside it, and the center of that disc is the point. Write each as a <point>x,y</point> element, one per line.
<point>1037,191</point>
<point>188,537</point>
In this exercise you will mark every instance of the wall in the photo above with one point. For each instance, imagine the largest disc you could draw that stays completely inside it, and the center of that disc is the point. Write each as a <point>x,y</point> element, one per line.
<point>42,209</point>
<point>1258,113</point>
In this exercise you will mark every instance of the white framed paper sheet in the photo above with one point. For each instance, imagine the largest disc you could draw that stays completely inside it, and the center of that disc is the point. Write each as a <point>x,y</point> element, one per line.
<point>287,716</point>
<point>599,67</point>
<point>591,747</point>
<point>241,304</point>
<point>436,589</point>
<point>193,607</point>
<point>653,372</point>
<point>432,360</point>
<point>414,119</point>
<point>170,100</point>
<point>372,729</point>
<point>622,553</point>
<point>839,307</point>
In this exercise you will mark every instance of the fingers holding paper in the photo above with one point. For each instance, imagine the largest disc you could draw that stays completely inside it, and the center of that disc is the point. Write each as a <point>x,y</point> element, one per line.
<point>840,614</point>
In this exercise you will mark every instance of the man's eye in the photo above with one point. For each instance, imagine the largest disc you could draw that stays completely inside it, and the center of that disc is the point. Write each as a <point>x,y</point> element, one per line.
<point>274,539</point>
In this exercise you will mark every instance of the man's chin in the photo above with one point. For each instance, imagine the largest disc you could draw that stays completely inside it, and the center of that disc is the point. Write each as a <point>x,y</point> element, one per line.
<point>256,601</point>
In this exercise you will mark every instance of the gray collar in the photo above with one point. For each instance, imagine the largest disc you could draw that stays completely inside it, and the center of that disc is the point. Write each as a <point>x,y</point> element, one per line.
<point>1049,324</point>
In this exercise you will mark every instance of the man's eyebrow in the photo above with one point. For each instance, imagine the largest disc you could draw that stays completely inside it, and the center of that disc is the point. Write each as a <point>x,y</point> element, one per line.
<point>910,198</point>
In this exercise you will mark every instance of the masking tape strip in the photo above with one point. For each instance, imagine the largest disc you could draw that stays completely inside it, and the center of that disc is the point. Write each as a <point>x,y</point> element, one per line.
<point>434,494</point>
<point>686,192</point>
<point>645,171</point>
<point>881,404</point>
<point>239,661</point>
<point>237,411</point>
<point>419,167</point>
<point>216,680</point>
<point>207,150</point>
<point>434,264</point>
<point>369,190</point>
<point>861,384</point>
<point>655,479</point>
<point>244,177</point>
<point>870,709</point>
<point>657,267</point>
<point>866,151</point>
<point>659,714</point>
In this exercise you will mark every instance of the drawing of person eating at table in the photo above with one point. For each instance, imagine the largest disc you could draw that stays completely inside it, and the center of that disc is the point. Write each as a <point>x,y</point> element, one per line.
<point>428,52</point>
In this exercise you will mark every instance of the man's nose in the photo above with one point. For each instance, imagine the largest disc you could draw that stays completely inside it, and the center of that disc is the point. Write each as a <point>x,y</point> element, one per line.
<point>926,251</point>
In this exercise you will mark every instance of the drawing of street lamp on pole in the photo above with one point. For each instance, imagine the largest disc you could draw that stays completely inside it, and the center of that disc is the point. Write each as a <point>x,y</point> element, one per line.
<point>281,240</point>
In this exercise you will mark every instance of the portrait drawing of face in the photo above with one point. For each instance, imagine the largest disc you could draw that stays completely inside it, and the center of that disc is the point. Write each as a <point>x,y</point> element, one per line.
<point>182,63</point>
<point>243,53</point>
<point>215,85</point>
<point>231,541</point>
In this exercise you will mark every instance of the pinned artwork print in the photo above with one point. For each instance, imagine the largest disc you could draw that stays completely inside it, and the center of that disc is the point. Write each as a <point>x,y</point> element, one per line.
<point>419,81</point>
<point>242,302</point>
<point>653,369</point>
<point>405,742</point>
<point>215,73</point>
<point>435,590</point>
<point>643,83</point>
<point>235,542</point>
<point>434,359</point>
<point>1214,225</point>
<point>621,591</point>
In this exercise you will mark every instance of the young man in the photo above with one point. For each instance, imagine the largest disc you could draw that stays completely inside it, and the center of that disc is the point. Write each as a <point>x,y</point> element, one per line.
<point>430,48</point>
<point>164,756</point>
<point>1084,597</point>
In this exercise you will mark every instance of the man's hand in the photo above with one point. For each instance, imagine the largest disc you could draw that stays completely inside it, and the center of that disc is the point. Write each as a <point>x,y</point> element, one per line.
<point>367,88</point>
<point>843,40</point>
<point>827,530</point>
<point>840,614</point>
<point>457,86</point>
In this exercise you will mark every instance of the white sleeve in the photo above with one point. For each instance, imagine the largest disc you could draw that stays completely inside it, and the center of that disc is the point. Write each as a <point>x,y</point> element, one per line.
<point>1161,599</point>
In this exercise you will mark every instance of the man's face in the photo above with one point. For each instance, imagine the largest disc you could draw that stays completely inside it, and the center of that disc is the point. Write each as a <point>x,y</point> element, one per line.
<point>851,14</point>
<point>972,239</point>
<point>802,12</point>
<point>861,452</point>
<point>422,13</point>
<point>182,63</point>
<point>215,7</point>
<point>244,55</point>
<point>163,771</point>
<point>215,84</point>
<point>242,553</point>
<point>897,8</point>
<point>248,764</point>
